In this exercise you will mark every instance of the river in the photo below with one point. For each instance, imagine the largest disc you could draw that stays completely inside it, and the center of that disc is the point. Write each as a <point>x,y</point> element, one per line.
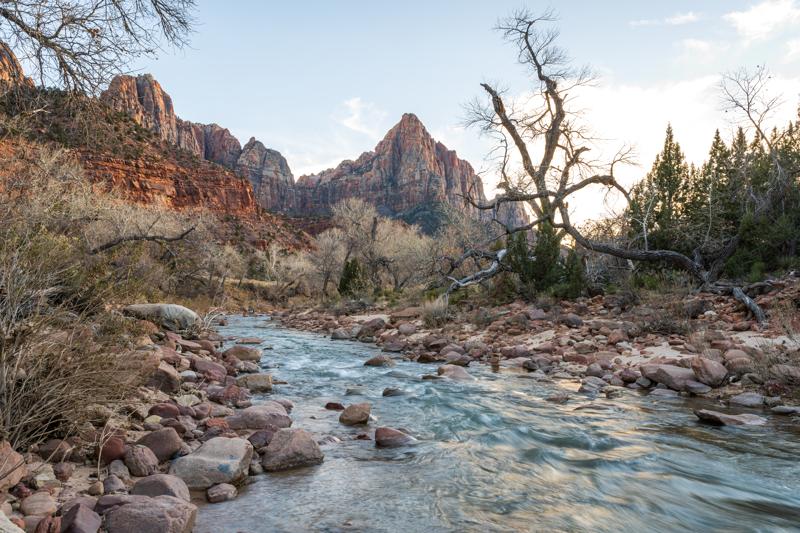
<point>495,456</point>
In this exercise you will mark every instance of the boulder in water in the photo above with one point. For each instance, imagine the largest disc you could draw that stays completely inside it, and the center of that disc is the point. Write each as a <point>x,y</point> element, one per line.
<point>380,360</point>
<point>355,414</point>
<point>386,437</point>
<point>454,372</point>
<point>723,419</point>
<point>291,448</point>
<point>219,460</point>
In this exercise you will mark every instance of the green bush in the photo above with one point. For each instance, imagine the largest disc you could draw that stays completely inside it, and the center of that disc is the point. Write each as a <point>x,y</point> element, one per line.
<point>353,280</point>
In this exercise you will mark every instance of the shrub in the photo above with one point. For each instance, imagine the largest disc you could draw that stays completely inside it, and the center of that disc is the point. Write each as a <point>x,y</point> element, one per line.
<point>353,280</point>
<point>574,279</point>
<point>435,312</point>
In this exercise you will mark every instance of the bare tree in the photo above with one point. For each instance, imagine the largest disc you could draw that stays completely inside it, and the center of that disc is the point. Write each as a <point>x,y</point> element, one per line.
<point>545,126</point>
<point>80,44</point>
<point>328,256</point>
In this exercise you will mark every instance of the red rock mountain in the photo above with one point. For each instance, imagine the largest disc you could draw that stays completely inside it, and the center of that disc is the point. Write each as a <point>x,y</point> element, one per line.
<point>408,175</point>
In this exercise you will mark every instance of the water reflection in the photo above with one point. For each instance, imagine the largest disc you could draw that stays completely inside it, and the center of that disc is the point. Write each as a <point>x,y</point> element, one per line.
<point>495,456</point>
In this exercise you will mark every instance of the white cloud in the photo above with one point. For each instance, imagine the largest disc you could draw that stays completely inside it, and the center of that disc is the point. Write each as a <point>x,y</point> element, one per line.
<point>764,19</point>
<point>700,50</point>
<point>362,117</point>
<point>677,19</point>
<point>682,18</point>
<point>792,50</point>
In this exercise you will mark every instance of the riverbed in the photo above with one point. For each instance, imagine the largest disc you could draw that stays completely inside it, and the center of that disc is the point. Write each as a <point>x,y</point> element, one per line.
<point>494,455</point>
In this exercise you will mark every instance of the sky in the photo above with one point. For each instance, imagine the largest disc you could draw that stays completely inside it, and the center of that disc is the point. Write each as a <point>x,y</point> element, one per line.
<point>323,80</point>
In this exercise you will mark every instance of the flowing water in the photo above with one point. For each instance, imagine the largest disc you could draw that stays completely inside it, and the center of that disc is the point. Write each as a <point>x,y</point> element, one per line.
<point>495,456</point>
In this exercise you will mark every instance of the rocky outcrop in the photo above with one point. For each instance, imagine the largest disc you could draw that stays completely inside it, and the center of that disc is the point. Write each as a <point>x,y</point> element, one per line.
<point>409,175</point>
<point>143,99</point>
<point>269,173</point>
<point>11,72</point>
<point>171,184</point>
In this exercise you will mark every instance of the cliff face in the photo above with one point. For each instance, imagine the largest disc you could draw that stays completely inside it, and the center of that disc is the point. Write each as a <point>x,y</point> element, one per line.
<point>409,174</point>
<point>269,173</point>
<point>143,99</point>
<point>179,185</point>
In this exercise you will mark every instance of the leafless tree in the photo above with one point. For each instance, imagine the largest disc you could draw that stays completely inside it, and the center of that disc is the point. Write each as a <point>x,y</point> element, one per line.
<point>552,146</point>
<point>80,44</point>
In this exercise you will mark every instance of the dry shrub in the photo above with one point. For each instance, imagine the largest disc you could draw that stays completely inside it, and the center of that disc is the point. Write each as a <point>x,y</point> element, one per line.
<point>435,313</point>
<point>51,374</point>
<point>668,319</point>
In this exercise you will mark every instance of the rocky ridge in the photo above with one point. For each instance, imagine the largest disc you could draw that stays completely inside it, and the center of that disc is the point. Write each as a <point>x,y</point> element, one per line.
<point>408,175</point>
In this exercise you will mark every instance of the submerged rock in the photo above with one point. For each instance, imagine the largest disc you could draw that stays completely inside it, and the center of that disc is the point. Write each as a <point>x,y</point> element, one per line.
<point>454,372</point>
<point>380,360</point>
<point>723,419</point>
<point>747,399</point>
<point>221,493</point>
<point>386,437</point>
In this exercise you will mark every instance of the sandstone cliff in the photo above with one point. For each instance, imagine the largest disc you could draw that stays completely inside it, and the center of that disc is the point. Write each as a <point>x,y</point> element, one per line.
<point>10,70</point>
<point>145,101</point>
<point>408,175</point>
<point>269,173</point>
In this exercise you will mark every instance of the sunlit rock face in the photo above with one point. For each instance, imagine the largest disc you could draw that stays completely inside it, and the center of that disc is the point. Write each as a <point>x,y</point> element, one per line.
<point>409,175</point>
<point>10,69</point>
<point>269,173</point>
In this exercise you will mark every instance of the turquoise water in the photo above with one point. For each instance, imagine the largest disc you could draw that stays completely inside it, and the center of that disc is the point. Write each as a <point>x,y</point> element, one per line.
<point>495,456</point>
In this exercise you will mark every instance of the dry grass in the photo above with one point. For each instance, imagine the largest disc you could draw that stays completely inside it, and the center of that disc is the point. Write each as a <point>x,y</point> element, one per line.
<point>435,313</point>
<point>51,374</point>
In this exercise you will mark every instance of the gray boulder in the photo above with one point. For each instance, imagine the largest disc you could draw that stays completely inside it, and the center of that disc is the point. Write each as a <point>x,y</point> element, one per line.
<point>170,316</point>
<point>163,514</point>
<point>291,448</point>
<point>723,419</point>
<point>218,460</point>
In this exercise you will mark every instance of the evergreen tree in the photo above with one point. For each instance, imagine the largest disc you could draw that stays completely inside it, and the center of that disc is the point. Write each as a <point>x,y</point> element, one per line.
<point>660,198</point>
<point>574,277</point>
<point>708,191</point>
<point>353,279</point>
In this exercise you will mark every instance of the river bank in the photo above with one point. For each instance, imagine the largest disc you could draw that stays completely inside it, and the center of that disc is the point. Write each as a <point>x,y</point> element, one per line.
<point>225,405</point>
<point>705,348</point>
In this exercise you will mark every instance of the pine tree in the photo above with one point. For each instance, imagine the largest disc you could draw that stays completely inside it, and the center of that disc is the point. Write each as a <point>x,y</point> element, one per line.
<point>661,196</point>
<point>709,188</point>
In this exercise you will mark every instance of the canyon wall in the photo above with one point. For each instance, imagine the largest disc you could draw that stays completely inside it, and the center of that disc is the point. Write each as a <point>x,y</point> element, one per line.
<point>408,175</point>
